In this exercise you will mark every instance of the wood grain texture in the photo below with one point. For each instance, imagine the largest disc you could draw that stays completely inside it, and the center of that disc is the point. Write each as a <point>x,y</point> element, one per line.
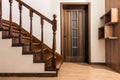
<point>113,46</point>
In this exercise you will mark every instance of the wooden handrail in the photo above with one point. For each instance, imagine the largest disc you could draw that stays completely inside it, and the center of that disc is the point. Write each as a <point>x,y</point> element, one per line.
<point>35,11</point>
<point>42,18</point>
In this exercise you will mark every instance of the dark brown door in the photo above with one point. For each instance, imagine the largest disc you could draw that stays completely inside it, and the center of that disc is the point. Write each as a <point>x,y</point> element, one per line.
<point>74,28</point>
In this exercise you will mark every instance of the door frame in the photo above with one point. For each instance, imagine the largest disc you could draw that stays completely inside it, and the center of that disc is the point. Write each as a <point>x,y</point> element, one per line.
<point>89,26</point>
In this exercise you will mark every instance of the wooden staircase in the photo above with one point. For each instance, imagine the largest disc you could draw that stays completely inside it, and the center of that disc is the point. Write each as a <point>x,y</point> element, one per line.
<point>29,43</point>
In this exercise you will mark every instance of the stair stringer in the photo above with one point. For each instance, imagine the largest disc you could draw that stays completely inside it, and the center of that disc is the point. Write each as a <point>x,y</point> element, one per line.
<point>12,60</point>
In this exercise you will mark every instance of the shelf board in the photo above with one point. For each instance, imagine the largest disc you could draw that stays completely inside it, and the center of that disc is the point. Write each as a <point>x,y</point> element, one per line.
<point>112,38</point>
<point>109,23</point>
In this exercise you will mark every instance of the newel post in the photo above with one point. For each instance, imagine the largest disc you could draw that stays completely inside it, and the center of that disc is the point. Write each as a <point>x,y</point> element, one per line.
<point>54,28</point>
<point>1,15</point>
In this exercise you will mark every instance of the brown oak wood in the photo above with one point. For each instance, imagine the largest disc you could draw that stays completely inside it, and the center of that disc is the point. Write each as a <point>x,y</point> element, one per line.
<point>112,46</point>
<point>47,51</point>
<point>54,28</point>
<point>10,17</point>
<point>63,39</point>
<point>20,23</point>
<point>31,45</point>
<point>68,35</point>
<point>38,13</point>
<point>42,38</point>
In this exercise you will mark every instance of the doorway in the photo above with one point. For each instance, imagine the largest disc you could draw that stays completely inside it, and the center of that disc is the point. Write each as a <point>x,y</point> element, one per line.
<point>75,32</point>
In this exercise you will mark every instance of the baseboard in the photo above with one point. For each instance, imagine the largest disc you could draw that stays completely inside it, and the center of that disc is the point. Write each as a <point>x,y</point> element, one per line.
<point>28,74</point>
<point>97,63</point>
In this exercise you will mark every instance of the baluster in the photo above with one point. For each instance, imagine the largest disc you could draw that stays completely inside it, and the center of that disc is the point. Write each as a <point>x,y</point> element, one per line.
<point>41,47</point>
<point>20,27</point>
<point>1,28</point>
<point>10,17</point>
<point>31,17</point>
<point>54,41</point>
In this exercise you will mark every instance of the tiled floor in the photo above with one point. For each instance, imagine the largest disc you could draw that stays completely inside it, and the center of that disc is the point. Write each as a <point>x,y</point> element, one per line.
<point>77,71</point>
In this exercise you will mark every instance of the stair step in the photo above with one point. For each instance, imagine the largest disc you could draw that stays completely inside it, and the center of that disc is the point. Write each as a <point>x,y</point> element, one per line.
<point>3,29</point>
<point>58,64</point>
<point>38,51</point>
<point>28,53</point>
<point>8,36</point>
<point>15,29</point>
<point>8,26</point>
<point>34,44</point>
<point>46,56</point>
<point>23,33</point>
<point>27,38</point>
<point>33,52</point>
<point>51,69</point>
<point>17,44</point>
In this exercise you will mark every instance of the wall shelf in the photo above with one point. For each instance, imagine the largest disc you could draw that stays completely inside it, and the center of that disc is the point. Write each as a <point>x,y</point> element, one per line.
<point>112,38</point>
<point>109,19</point>
<point>101,32</point>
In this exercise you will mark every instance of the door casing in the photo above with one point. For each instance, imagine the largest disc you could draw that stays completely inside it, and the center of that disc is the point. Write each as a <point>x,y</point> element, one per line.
<point>89,27</point>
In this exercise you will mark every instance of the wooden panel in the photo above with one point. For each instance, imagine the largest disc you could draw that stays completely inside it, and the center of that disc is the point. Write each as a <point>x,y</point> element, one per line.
<point>69,33</point>
<point>108,31</point>
<point>74,50</point>
<point>113,46</point>
<point>107,5</point>
<point>114,15</point>
<point>111,4</point>
<point>108,52</point>
<point>81,25</point>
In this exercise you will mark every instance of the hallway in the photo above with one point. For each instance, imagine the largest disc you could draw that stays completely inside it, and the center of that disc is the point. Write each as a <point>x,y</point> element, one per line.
<point>77,71</point>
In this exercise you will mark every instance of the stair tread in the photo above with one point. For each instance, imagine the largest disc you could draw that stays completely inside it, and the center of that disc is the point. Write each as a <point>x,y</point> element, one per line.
<point>46,56</point>
<point>32,44</point>
<point>8,36</point>
<point>58,63</point>
<point>24,37</point>
<point>3,29</point>
<point>36,43</point>
<point>7,25</point>
<point>18,32</point>
<point>28,52</point>
<point>38,51</point>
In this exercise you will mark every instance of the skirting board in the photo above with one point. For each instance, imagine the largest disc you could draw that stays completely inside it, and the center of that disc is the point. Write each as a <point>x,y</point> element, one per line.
<point>28,74</point>
<point>97,63</point>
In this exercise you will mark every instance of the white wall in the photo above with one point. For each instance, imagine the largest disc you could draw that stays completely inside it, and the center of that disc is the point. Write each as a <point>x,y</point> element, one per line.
<point>49,7</point>
<point>12,60</point>
<point>97,46</point>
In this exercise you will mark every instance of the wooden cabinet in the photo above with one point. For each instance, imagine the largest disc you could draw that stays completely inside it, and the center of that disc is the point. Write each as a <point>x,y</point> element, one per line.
<point>109,19</point>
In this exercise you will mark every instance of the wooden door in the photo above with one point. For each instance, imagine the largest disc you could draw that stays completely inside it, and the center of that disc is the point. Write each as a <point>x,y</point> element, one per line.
<point>74,28</point>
